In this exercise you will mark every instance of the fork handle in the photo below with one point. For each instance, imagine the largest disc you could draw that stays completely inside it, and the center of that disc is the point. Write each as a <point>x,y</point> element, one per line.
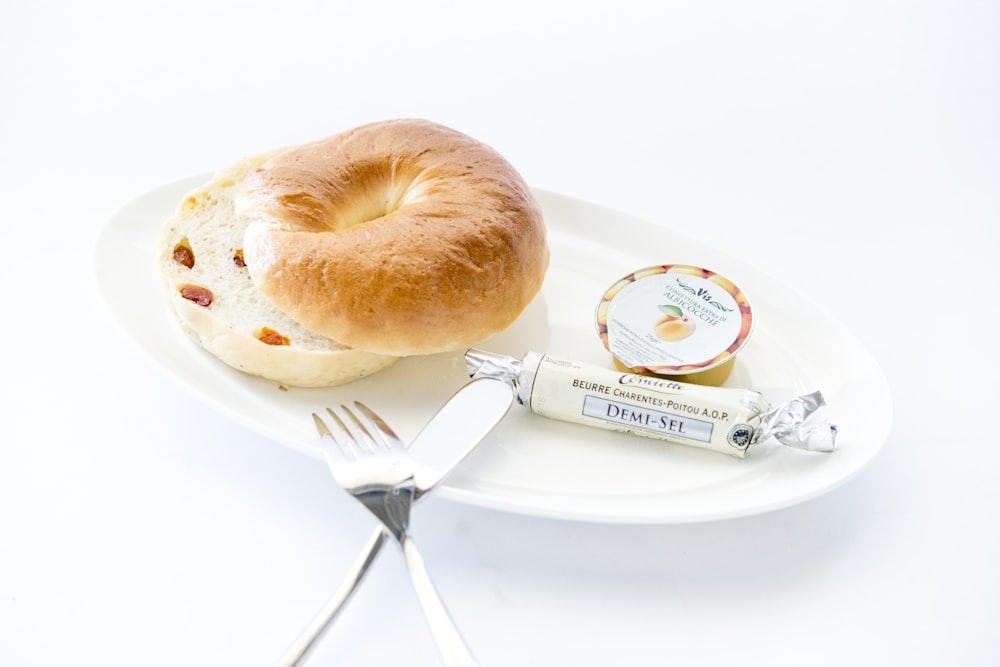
<point>300,650</point>
<point>450,643</point>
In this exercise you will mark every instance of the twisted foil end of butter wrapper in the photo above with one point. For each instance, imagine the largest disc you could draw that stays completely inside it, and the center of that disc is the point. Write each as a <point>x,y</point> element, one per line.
<point>480,363</point>
<point>798,423</point>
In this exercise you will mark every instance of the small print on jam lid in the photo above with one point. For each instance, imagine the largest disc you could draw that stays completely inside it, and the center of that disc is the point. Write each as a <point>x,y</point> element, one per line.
<point>674,319</point>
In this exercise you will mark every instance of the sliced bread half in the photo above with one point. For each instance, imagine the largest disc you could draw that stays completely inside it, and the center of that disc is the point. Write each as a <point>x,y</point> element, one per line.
<point>216,303</point>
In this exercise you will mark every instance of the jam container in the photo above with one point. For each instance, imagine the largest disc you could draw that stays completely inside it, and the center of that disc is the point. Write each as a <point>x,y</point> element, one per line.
<point>675,320</point>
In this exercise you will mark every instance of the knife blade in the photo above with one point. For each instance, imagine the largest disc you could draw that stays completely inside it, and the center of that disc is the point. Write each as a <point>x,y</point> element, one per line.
<point>451,435</point>
<point>444,442</point>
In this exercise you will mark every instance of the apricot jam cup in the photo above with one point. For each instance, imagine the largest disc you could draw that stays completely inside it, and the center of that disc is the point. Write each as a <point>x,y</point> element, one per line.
<point>675,320</point>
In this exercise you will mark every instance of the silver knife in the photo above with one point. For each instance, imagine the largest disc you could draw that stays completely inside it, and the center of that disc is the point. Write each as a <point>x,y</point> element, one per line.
<point>444,442</point>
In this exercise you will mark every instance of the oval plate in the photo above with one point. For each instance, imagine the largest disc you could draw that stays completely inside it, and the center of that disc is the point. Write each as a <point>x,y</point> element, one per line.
<point>530,464</point>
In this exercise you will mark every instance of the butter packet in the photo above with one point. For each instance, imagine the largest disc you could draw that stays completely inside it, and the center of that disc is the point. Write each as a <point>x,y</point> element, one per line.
<point>722,419</point>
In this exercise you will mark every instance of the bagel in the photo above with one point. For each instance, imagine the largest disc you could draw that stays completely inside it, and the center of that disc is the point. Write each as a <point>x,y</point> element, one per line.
<point>399,238</point>
<point>216,304</point>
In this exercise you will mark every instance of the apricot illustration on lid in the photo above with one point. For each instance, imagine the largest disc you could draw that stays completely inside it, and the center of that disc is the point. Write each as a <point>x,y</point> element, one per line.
<point>674,325</point>
<point>674,319</point>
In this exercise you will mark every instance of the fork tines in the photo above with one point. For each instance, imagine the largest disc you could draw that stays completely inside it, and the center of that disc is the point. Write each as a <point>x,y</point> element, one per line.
<point>359,440</point>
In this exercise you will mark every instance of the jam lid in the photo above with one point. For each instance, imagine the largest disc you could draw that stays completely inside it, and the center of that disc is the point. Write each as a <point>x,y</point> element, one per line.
<point>674,319</point>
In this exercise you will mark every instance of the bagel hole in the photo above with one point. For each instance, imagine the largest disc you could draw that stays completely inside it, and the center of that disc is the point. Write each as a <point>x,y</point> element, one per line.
<point>383,196</point>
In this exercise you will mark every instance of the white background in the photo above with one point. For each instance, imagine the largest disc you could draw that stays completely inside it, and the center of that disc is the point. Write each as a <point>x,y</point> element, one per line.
<point>851,149</point>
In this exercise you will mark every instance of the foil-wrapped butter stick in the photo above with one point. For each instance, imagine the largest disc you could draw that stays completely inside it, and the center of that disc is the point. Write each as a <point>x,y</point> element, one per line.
<point>723,419</point>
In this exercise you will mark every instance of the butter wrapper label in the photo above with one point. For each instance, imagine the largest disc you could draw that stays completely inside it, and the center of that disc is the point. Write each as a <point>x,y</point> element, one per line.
<point>720,419</point>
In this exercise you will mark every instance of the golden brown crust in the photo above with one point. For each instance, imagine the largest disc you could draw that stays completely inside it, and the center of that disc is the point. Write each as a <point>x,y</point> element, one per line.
<point>400,237</point>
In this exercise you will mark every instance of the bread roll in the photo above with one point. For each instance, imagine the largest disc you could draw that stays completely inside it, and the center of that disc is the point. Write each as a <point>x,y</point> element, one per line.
<point>399,237</point>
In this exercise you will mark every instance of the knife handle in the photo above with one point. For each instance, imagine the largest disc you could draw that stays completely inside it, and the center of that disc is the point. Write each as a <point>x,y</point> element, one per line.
<point>304,645</point>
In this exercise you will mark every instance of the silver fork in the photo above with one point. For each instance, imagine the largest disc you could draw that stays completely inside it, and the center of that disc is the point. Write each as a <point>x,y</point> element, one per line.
<point>378,472</point>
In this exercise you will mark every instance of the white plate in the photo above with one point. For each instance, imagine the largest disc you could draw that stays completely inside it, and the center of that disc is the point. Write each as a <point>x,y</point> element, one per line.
<point>530,464</point>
